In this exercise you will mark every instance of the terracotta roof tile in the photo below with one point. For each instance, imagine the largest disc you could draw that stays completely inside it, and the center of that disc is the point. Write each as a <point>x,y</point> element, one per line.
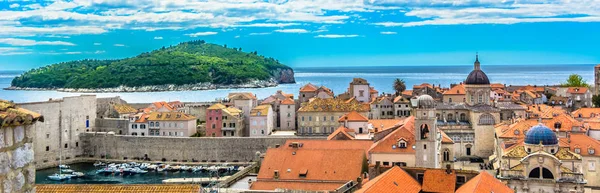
<point>384,124</point>
<point>586,112</point>
<point>241,96</point>
<point>308,88</point>
<point>353,116</point>
<point>389,144</point>
<point>363,145</point>
<point>585,143</point>
<point>217,106</point>
<point>261,110</point>
<point>288,101</point>
<point>333,105</point>
<point>456,90</point>
<point>161,104</point>
<point>577,90</point>
<point>484,183</point>
<point>11,115</point>
<point>116,188</point>
<point>497,86</point>
<point>400,99</point>
<point>407,92</point>
<point>124,109</point>
<point>341,131</point>
<point>287,185</point>
<point>170,116</point>
<point>395,180</point>
<point>445,138</point>
<point>438,180</point>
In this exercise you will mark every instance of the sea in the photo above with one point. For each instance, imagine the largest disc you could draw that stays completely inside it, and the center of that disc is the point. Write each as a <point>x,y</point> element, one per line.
<point>337,79</point>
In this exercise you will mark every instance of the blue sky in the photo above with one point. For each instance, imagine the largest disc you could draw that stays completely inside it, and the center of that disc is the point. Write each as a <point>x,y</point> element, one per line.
<point>307,32</point>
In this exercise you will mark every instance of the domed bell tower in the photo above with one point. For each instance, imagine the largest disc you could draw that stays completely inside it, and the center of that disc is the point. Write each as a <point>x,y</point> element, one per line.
<point>477,86</point>
<point>428,139</point>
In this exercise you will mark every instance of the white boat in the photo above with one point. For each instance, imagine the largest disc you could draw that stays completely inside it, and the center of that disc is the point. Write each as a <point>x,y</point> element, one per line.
<point>99,163</point>
<point>59,177</point>
<point>152,167</point>
<point>67,170</point>
<point>64,166</point>
<point>138,171</point>
<point>78,174</point>
<point>160,169</point>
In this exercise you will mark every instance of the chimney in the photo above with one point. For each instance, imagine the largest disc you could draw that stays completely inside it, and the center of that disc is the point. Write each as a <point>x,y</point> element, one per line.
<point>346,121</point>
<point>359,182</point>
<point>448,169</point>
<point>276,174</point>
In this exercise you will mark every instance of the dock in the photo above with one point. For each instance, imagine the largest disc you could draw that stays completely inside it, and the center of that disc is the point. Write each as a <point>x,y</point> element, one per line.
<point>206,180</point>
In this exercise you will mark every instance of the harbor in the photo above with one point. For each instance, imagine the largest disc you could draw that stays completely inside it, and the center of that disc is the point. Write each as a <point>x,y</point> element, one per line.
<point>135,173</point>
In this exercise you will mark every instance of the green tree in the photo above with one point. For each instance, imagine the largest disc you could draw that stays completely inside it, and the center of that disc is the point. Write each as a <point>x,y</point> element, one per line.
<point>399,86</point>
<point>575,80</point>
<point>596,100</point>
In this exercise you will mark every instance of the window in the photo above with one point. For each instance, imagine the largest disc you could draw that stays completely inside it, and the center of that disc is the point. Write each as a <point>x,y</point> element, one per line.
<point>386,163</point>
<point>157,124</point>
<point>472,98</point>
<point>47,148</point>
<point>262,131</point>
<point>424,146</point>
<point>213,126</point>
<point>420,178</point>
<point>591,151</point>
<point>76,144</point>
<point>449,100</point>
<point>309,118</point>
<point>361,93</point>
<point>66,145</point>
<point>486,119</point>
<point>324,118</point>
<point>289,115</point>
<point>577,150</point>
<point>47,135</point>
<point>332,119</point>
<point>224,124</point>
<point>480,99</point>
<point>402,144</point>
<point>302,118</point>
<point>591,165</point>
<point>446,155</point>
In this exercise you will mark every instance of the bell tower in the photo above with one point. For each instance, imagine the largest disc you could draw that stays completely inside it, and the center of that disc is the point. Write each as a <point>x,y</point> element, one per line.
<point>427,137</point>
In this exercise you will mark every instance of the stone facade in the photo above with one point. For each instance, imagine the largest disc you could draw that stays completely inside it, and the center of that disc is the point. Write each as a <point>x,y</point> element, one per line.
<point>597,79</point>
<point>116,125</point>
<point>207,149</point>
<point>17,170</point>
<point>65,119</point>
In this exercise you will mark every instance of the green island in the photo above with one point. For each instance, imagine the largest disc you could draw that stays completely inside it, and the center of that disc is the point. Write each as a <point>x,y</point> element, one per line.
<point>188,63</point>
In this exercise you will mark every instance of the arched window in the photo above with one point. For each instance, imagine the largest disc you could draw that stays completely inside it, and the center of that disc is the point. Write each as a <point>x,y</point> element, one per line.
<point>449,100</point>
<point>543,172</point>
<point>437,115</point>
<point>446,155</point>
<point>450,117</point>
<point>463,117</point>
<point>424,131</point>
<point>486,119</point>
<point>480,99</point>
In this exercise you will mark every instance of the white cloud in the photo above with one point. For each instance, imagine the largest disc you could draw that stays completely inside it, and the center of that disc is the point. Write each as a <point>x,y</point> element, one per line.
<point>14,5</point>
<point>97,44</point>
<point>72,52</point>
<point>201,34</point>
<point>158,38</point>
<point>266,25</point>
<point>63,30</point>
<point>259,33</point>
<point>99,52</point>
<point>58,36</point>
<point>336,36</point>
<point>9,51</point>
<point>119,45</point>
<point>292,31</point>
<point>388,32</point>
<point>28,42</point>
<point>236,37</point>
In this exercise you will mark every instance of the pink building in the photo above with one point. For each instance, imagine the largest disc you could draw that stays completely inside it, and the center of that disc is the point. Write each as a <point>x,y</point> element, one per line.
<point>214,122</point>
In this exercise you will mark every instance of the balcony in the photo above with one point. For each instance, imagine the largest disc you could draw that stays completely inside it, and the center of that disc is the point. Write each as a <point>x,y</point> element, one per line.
<point>228,129</point>
<point>571,177</point>
<point>512,174</point>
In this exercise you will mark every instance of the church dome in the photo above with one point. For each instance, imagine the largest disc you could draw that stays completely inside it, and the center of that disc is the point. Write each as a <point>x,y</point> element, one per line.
<point>540,134</point>
<point>425,101</point>
<point>477,76</point>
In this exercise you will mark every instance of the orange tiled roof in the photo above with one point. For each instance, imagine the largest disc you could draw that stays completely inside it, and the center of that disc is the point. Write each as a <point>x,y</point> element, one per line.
<point>363,145</point>
<point>497,86</point>
<point>343,131</point>
<point>116,188</point>
<point>11,115</point>
<point>585,143</point>
<point>531,94</point>
<point>217,106</point>
<point>372,90</point>
<point>395,180</point>
<point>445,138</point>
<point>592,124</point>
<point>577,90</point>
<point>586,112</point>
<point>333,105</point>
<point>261,110</point>
<point>456,90</point>
<point>484,183</point>
<point>124,109</point>
<point>543,111</point>
<point>407,92</point>
<point>290,185</point>
<point>170,116</point>
<point>162,104</point>
<point>422,86</point>
<point>383,124</point>
<point>241,96</point>
<point>288,101</point>
<point>353,116</point>
<point>400,99</point>
<point>308,88</point>
<point>143,117</point>
<point>438,180</point>
<point>341,165</point>
<point>532,88</point>
<point>389,144</point>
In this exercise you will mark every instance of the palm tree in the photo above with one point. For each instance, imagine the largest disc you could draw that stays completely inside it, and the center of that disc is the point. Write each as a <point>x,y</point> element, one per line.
<point>399,86</point>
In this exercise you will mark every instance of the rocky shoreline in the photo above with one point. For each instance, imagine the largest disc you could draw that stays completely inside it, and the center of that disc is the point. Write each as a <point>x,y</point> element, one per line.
<point>159,88</point>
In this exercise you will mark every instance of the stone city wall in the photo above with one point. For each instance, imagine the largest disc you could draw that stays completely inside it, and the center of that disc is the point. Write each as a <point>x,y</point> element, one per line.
<point>119,126</point>
<point>230,149</point>
<point>17,171</point>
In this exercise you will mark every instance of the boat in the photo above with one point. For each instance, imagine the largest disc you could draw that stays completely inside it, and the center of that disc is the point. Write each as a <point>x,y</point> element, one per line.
<point>67,170</point>
<point>78,174</point>
<point>99,163</point>
<point>59,177</point>
<point>63,166</point>
<point>138,171</point>
<point>159,169</point>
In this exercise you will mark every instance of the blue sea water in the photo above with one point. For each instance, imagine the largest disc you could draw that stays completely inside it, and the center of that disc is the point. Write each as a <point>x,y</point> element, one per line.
<point>337,78</point>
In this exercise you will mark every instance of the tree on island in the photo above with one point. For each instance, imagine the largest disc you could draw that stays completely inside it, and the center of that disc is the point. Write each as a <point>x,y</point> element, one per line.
<point>575,80</point>
<point>399,86</point>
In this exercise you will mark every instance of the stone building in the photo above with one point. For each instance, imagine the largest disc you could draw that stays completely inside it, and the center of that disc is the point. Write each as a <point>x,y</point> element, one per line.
<point>540,163</point>
<point>309,91</point>
<point>17,169</point>
<point>287,115</point>
<point>261,121</point>
<point>427,138</point>
<point>281,119</point>
<point>401,107</point>
<point>175,124</point>
<point>320,116</point>
<point>105,106</point>
<point>360,90</point>
<point>65,120</point>
<point>456,94</point>
<point>244,101</point>
<point>222,121</point>
<point>434,91</point>
<point>382,108</point>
